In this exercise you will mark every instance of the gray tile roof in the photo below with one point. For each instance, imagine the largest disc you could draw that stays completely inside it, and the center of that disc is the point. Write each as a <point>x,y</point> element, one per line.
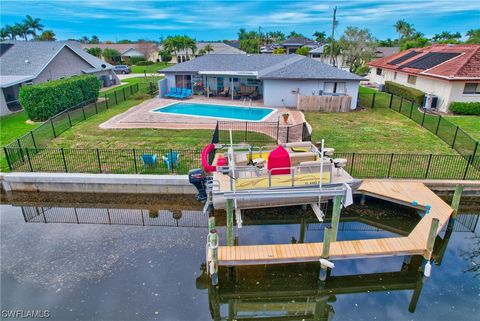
<point>227,63</point>
<point>267,66</point>
<point>298,41</point>
<point>29,58</point>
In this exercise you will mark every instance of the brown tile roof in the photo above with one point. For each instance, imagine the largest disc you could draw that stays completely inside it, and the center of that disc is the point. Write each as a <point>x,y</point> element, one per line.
<point>464,66</point>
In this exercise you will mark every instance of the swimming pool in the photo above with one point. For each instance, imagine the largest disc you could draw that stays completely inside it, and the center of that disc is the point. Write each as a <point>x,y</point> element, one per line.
<point>217,111</point>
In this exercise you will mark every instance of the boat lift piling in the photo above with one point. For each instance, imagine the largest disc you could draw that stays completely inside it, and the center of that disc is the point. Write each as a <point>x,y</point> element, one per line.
<point>457,195</point>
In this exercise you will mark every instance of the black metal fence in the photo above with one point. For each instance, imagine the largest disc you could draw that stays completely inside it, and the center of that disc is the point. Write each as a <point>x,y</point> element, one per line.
<point>161,161</point>
<point>259,132</point>
<point>450,133</point>
<point>41,136</point>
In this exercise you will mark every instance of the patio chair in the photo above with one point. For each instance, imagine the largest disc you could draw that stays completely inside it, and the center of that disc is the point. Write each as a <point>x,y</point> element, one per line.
<point>171,159</point>
<point>182,94</point>
<point>149,159</point>
<point>225,92</point>
<point>173,91</point>
<point>189,93</point>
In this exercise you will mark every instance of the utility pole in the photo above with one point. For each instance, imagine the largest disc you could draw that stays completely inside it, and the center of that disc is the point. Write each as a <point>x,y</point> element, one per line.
<point>259,36</point>
<point>332,39</point>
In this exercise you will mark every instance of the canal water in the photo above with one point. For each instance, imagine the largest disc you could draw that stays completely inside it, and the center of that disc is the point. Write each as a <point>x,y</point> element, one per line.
<point>131,257</point>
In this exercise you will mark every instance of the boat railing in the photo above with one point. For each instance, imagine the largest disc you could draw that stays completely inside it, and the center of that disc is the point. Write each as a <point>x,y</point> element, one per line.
<point>259,172</point>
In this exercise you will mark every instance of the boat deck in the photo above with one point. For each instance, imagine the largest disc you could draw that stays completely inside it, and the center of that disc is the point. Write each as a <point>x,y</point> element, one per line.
<point>411,194</point>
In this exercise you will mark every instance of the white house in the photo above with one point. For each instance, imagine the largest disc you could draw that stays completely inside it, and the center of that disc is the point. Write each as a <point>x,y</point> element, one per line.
<point>278,79</point>
<point>450,72</point>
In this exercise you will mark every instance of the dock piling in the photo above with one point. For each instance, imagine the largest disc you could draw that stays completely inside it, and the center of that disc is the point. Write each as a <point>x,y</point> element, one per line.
<point>213,264</point>
<point>325,251</point>
<point>337,207</point>
<point>229,222</point>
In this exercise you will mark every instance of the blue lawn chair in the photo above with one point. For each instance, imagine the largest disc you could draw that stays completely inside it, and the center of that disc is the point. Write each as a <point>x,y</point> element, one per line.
<point>182,94</point>
<point>173,91</point>
<point>188,94</point>
<point>149,159</point>
<point>172,159</point>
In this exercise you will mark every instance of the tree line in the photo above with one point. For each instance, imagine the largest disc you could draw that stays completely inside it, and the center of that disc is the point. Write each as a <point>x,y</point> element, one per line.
<point>26,28</point>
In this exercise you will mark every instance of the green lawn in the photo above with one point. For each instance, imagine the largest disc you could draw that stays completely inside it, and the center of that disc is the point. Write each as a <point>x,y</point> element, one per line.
<point>470,124</point>
<point>378,130</point>
<point>150,69</point>
<point>131,81</point>
<point>12,127</point>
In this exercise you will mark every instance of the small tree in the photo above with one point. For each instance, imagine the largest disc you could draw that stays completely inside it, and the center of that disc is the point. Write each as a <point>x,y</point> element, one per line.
<point>165,55</point>
<point>94,39</point>
<point>473,36</point>
<point>97,52</point>
<point>146,49</point>
<point>279,51</point>
<point>303,50</point>
<point>358,46</point>
<point>111,55</point>
<point>320,36</point>
<point>47,35</point>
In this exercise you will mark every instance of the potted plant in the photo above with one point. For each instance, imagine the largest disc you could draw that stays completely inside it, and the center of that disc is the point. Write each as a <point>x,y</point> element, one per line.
<point>285,117</point>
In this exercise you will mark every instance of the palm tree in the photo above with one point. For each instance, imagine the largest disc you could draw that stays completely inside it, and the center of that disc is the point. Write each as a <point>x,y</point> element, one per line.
<point>320,36</point>
<point>4,33</point>
<point>404,29</point>
<point>12,32</point>
<point>23,30</point>
<point>47,35</point>
<point>208,48</point>
<point>332,49</point>
<point>33,24</point>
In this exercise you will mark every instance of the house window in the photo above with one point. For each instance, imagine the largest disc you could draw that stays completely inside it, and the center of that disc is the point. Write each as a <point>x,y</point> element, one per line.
<point>412,80</point>
<point>471,88</point>
<point>395,76</point>
<point>379,71</point>
<point>334,88</point>
<point>183,81</point>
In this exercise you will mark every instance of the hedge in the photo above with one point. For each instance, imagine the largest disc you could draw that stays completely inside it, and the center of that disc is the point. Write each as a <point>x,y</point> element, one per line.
<point>411,94</point>
<point>42,101</point>
<point>472,108</point>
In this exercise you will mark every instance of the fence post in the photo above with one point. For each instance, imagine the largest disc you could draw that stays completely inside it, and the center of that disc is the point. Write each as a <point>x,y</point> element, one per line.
<point>33,139</point>
<point>401,103</point>
<point>246,131</point>
<point>373,101</point>
<point>288,134</point>
<point>53,128</point>
<point>428,166</point>
<point>21,150</point>
<point>170,159</point>
<point>131,90</point>
<point>106,101</point>
<point>475,149</point>
<point>116,99</point>
<point>29,161</point>
<point>135,161</point>
<point>83,112</point>
<point>124,97</point>
<point>96,108</point>
<point>469,160</point>
<point>64,160</point>
<point>391,101</point>
<point>390,166</point>
<point>411,110</point>
<point>455,137</point>
<point>278,128</point>
<point>69,118</point>
<point>438,124</point>
<point>99,162</point>
<point>353,161</point>
<point>7,157</point>
<point>423,119</point>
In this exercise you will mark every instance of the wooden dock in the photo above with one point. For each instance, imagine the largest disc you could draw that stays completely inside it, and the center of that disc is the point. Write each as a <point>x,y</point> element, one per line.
<point>411,194</point>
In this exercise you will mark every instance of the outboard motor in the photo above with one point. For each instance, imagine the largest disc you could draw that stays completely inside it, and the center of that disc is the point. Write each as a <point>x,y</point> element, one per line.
<point>197,178</point>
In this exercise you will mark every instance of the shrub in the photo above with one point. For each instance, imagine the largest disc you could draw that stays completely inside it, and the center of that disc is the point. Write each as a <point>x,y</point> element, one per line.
<point>42,101</point>
<point>472,108</point>
<point>135,60</point>
<point>411,94</point>
<point>303,50</point>
<point>144,63</point>
<point>165,55</point>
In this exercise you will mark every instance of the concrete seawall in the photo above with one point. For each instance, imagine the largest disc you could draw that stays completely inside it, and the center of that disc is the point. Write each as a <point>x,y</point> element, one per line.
<point>151,184</point>
<point>96,183</point>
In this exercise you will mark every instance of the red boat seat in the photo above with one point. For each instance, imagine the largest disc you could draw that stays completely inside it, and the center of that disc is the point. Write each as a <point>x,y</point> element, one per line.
<point>279,158</point>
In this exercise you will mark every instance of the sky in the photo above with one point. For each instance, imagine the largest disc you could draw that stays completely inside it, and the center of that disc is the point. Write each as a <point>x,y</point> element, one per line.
<point>218,20</point>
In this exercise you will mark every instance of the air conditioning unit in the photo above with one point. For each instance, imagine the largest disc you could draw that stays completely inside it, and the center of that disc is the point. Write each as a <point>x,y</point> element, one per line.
<point>430,101</point>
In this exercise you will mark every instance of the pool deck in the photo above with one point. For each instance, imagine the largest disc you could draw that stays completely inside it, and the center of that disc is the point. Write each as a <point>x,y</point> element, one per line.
<point>141,116</point>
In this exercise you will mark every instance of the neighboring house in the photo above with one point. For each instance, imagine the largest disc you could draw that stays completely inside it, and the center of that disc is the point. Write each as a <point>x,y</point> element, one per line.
<point>292,44</point>
<point>276,78</point>
<point>450,72</point>
<point>145,50</point>
<point>320,54</point>
<point>382,52</point>
<point>232,43</point>
<point>32,62</point>
<point>218,48</point>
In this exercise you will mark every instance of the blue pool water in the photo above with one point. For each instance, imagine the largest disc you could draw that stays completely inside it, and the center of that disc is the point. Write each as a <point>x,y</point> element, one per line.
<point>217,111</point>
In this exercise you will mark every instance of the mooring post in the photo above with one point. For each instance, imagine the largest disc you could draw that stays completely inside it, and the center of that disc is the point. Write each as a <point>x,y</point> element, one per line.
<point>337,207</point>
<point>416,295</point>
<point>229,222</point>
<point>327,236</point>
<point>303,224</point>
<point>362,200</point>
<point>457,195</point>
<point>213,264</point>
<point>430,243</point>
<point>211,223</point>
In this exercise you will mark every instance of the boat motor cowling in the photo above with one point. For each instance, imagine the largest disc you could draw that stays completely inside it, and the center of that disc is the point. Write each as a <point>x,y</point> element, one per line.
<point>197,178</point>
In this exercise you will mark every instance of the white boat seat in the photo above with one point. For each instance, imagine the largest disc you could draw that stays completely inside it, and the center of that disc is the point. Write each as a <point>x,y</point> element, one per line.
<point>298,144</point>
